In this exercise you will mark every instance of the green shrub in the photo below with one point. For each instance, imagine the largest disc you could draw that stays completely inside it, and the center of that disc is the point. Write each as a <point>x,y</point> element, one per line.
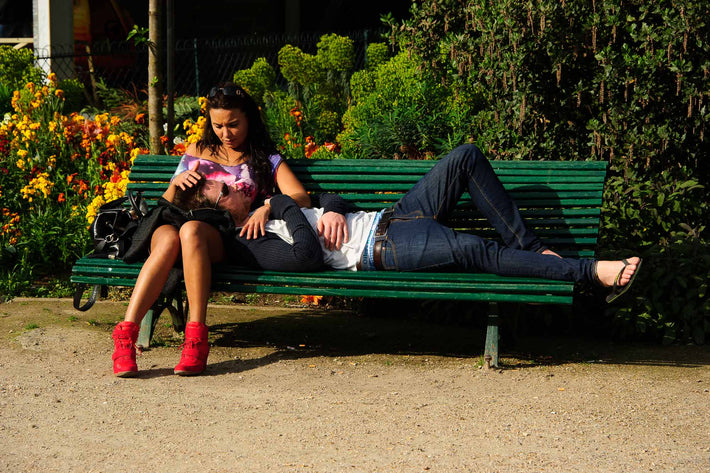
<point>624,82</point>
<point>399,110</point>
<point>5,99</point>
<point>257,80</point>
<point>376,54</point>
<point>17,67</point>
<point>335,53</point>
<point>74,95</point>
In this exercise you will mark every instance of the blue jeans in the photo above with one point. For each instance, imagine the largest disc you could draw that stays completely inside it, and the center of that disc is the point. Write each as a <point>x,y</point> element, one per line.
<point>419,240</point>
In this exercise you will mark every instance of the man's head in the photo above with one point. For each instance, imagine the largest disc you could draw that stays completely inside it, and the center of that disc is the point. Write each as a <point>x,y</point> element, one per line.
<point>208,193</point>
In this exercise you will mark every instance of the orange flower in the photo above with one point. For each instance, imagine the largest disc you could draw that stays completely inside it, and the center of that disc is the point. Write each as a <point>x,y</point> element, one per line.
<point>61,198</point>
<point>315,300</point>
<point>140,118</point>
<point>297,115</point>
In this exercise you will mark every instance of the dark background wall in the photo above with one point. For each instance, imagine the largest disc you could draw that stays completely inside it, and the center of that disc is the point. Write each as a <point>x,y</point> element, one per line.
<point>211,19</point>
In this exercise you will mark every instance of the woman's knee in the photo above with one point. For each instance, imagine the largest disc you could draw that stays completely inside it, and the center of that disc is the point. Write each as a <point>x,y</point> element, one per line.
<point>194,233</point>
<point>165,241</point>
<point>196,236</point>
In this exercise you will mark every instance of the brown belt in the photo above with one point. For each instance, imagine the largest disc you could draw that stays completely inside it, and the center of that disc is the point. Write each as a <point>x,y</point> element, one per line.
<point>380,234</point>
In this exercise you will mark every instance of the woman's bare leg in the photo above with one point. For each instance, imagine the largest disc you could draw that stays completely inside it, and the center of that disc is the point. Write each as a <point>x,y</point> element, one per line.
<point>201,246</point>
<point>164,251</point>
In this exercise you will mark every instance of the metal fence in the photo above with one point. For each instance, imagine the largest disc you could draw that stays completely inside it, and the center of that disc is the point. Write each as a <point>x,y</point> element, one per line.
<point>198,63</point>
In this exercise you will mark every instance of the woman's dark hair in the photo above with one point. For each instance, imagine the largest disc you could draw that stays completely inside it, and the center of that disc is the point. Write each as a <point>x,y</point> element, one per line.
<point>259,145</point>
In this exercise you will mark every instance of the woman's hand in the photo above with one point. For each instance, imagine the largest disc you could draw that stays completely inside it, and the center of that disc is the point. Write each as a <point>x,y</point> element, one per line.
<point>188,178</point>
<point>184,181</point>
<point>333,227</point>
<point>254,228</point>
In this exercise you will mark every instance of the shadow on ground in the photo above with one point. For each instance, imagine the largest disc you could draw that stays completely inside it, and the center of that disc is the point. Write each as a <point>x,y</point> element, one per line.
<point>336,333</point>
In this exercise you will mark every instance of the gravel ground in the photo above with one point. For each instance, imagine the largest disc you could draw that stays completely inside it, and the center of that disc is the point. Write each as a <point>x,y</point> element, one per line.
<point>305,390</point>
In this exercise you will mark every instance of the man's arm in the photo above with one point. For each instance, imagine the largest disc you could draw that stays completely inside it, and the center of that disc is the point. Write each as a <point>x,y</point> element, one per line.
<point>332,226</point>
<point>272,253</point>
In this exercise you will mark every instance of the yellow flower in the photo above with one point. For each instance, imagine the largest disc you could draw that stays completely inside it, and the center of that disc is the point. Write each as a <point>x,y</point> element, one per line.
<point>22,153</point>
<point>93,207</point>
<point>20,164</point>
<point>38,185</point>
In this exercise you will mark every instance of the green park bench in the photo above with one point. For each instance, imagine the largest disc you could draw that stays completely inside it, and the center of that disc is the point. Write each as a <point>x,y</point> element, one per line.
<point>560,200</point>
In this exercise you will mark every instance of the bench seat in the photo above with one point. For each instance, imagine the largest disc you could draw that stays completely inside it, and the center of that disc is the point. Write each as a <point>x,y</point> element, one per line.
<point>560,201</point>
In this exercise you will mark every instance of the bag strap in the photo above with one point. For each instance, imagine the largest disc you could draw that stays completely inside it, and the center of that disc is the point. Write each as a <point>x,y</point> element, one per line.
<point>138,204</point>
<point>96,291</point>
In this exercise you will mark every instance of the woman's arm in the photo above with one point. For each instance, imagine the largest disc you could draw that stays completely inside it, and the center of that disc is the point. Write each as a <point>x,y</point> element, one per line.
<point>288,184</point>
<point>184,180</point>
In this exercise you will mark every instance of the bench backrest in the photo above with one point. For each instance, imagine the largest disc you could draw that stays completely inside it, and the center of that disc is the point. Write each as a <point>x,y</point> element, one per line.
<point>560,200</point>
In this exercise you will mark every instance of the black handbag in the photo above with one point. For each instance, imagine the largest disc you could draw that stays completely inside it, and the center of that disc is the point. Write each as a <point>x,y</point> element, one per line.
<point>114,225</point>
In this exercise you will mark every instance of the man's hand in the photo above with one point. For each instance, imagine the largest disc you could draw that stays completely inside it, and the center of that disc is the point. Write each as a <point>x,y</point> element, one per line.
<point>255,226</point>
<point>333,227</point>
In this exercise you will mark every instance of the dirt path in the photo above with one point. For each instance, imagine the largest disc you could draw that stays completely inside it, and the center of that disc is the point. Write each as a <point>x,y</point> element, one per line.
<point>294,390</point>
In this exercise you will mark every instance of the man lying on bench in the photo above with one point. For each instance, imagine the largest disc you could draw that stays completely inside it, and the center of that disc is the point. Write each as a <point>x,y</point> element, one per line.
<point>412,235</point>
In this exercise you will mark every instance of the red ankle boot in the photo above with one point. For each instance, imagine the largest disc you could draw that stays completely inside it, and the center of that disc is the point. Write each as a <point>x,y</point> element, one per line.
<point>124,356</point>
<point>194,350</point>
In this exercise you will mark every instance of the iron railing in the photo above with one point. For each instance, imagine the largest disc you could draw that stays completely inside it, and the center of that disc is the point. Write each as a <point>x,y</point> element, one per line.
<point>198,63</point>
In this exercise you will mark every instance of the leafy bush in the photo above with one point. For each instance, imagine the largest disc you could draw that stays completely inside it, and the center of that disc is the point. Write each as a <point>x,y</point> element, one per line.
<point>74,95</point>
<point>17,67</point>
<point>399,110</point>
<point>55,171</point>
<point>257,80</point>
<point>305,118</point>
<point>611,80</point>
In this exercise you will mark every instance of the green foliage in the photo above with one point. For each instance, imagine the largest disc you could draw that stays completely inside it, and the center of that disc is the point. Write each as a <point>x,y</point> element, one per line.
<point>624,82</point>
<point>257,80</point>
<point>74,95</point>
<point>335,53</point>
<point>299,68</point>
<point>376,54</point>
<point>674,305</point>
<point>317,94</point>
<point>5,99</point>
<point>17,67</point>
<point>399,110</point>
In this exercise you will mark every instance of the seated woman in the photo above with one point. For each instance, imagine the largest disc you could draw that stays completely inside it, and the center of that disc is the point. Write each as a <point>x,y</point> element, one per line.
<point>237,152</point>
<point>412,236</point>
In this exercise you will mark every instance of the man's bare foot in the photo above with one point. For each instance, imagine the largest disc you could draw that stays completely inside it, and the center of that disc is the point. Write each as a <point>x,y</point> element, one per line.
<point>550,252</point>
<point>607,271</point>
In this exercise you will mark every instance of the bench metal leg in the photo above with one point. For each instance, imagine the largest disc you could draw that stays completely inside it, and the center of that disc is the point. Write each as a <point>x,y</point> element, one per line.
<point>178,314</point>
<point>147,327</point>
<point>490,355</point>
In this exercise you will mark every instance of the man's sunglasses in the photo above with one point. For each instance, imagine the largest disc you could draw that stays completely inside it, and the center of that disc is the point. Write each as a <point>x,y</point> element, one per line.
<point>222,193</point>
<point>228,91</point>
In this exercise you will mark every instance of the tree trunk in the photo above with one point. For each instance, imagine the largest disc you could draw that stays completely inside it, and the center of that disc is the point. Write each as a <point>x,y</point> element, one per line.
<point>155,76</point>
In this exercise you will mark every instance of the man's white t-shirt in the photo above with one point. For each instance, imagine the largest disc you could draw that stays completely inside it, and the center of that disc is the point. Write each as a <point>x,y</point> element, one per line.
<point>347,257</point>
